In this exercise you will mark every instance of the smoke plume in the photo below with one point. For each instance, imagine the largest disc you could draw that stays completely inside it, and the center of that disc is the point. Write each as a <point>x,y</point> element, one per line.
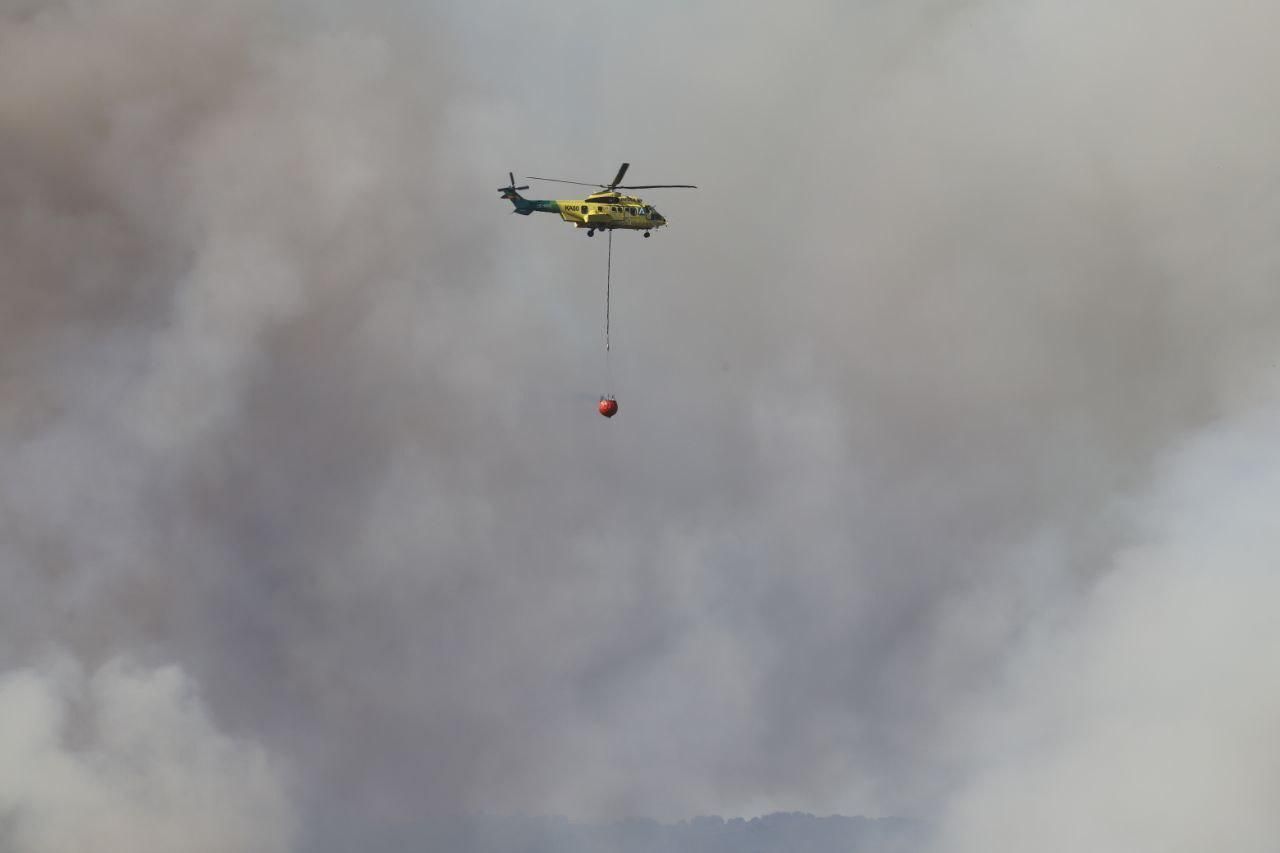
<point>292,406</point>
<point>126,759</point>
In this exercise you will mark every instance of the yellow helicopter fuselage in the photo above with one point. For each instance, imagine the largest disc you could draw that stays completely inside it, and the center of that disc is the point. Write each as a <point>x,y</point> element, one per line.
<point>605,209</point>
<point>610,210</point>
<point>598,211</point>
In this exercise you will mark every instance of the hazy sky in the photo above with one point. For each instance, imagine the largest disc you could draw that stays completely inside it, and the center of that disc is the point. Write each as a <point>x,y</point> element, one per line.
<point>943,483</point>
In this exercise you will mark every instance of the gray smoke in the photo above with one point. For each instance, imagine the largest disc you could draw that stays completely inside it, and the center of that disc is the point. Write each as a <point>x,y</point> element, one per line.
<point>288,400</point>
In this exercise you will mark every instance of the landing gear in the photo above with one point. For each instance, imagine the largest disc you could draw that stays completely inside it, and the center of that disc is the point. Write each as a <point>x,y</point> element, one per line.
<point>591,232</point>
<point>646,234</point>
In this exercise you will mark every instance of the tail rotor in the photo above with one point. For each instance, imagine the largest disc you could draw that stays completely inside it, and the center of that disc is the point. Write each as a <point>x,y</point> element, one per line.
<point>510,190</point>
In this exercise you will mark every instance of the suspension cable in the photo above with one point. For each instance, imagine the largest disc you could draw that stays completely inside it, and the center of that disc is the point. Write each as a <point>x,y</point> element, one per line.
<point>608,287</point>
<point>608,298</point>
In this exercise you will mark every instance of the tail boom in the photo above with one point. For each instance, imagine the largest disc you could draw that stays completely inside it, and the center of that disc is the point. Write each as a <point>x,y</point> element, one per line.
<point>525,206</point>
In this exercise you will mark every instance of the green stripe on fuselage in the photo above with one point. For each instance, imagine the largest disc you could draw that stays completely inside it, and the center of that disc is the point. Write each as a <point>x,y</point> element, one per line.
<point>539,205</point>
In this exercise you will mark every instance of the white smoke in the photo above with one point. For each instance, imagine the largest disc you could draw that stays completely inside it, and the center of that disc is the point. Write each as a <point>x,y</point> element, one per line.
<point>126,759</point>
<point>1146,720</point>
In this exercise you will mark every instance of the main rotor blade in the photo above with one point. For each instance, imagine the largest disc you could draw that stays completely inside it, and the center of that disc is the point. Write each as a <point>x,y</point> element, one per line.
<point>617,179</point>
<point>561,181</point>
<point>654,186</point>
<point>512,176</point>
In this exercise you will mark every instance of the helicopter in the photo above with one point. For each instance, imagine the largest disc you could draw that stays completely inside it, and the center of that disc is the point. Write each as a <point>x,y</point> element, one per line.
<point>604,210</point>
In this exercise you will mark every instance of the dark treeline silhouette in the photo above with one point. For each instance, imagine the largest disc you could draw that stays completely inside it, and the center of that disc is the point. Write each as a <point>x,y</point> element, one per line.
<point>783,832</point>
